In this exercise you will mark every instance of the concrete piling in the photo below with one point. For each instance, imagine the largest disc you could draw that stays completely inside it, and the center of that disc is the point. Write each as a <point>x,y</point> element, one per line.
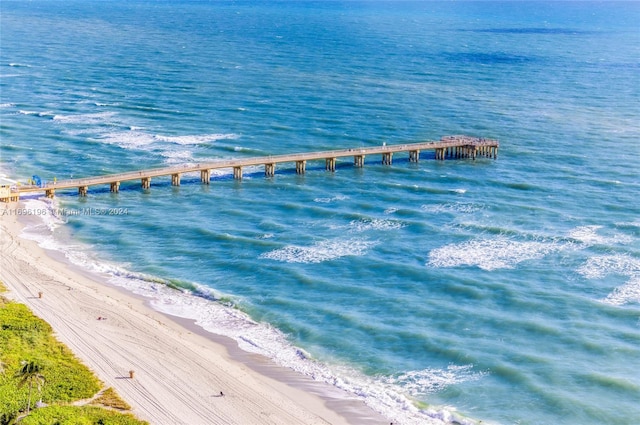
<point>330,164</point>
<point>205,176</point>
<point>301,167</point>
<point>175,179</point>
<point>269,169</point>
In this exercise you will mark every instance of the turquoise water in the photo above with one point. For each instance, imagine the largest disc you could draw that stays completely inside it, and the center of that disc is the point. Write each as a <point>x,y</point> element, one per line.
<point>507,291</point>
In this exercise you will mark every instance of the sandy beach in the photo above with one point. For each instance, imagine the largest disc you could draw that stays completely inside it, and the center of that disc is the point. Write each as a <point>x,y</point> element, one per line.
<point>180,370</point>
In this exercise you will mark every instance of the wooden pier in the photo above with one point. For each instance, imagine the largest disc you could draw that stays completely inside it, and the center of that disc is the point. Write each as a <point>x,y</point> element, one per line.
<point>447,147</point>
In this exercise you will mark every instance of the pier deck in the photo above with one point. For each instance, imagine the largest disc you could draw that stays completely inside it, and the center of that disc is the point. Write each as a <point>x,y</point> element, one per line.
<point>447,147</point>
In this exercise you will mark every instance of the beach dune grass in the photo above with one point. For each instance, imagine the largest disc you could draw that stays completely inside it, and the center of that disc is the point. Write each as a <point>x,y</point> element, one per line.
<point>109,398</point>
<point>25,337</point>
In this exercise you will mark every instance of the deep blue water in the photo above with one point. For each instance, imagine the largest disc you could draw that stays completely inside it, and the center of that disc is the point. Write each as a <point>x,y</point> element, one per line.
<point>507,290</point>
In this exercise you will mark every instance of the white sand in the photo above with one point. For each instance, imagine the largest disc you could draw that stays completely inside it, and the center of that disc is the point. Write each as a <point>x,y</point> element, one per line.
<point>178,373</point>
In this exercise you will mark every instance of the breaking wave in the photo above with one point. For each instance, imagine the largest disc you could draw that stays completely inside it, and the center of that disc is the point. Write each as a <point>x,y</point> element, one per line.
<point>491,254</point>
<point>617,264</point>
<point>320,251</point>
<point>375,224</point>
<point>428,381</point>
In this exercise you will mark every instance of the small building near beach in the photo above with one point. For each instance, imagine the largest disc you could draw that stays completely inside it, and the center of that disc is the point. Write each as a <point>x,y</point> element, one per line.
<point>6,190</point>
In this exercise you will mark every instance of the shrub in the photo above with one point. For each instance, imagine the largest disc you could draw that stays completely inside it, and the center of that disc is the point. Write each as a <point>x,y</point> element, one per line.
<point>110,398</point>
<point>74,415</point>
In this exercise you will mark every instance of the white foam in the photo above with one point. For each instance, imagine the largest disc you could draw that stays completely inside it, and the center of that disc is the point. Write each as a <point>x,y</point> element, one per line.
<point>330,200</point>
<point>625,294</point>
<point>177,156</point>
<point>195,139</point>
<point>390,210</point>
<point>466,208</point>
<point>490,254</point>
<point>374,224</point>
<point>133,139</point>
<point>38,113</point>
<point>7,105</point>
<point>617,264</point>
<point>428,381</point>
<point>635,223</point>
<point>136,138</point>
<point>588,235</point>
<point>460,191</point>
<point>603,265</point>
<point>92,118</point>
<point>47,220</point>
<point>45,210</point>
<point>321,251</point>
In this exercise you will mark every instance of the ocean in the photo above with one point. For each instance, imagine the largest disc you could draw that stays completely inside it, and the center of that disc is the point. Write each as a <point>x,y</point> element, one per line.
<point>505,291</point>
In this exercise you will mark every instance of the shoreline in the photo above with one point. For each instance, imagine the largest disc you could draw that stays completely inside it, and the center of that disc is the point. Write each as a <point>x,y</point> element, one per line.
<point>180,368</point>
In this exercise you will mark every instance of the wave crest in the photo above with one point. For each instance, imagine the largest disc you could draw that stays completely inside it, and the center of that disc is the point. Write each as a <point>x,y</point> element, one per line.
<point>375,224</point>
<point>490,254</point>
<point>196,139</point>
<point>588,235</point>
<point>320,251</point>
<point>620,264</point>
<point>428,381</point>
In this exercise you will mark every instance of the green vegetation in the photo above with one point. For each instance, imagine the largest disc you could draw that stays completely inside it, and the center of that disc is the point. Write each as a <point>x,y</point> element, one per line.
<point>35,367</point>
<point>33,356</point>
<point>78,415</point>
<point>109,398</point>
